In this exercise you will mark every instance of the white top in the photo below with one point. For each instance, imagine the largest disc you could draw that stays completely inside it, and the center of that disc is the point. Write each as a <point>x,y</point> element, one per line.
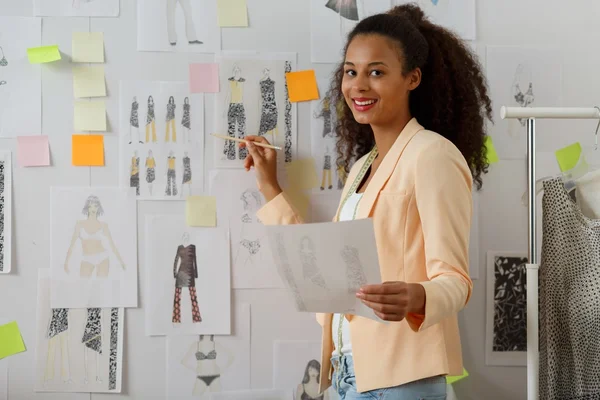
<point>346,214</point>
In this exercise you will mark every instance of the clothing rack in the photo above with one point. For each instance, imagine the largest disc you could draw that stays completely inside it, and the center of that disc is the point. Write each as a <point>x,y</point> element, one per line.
<point>531,114</point>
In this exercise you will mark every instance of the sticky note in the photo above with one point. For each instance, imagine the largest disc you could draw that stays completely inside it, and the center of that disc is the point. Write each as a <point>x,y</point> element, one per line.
<point>232,13</point>
<point>11,341</point>
<point>33,151</point>
<point>201,211</point>
<point>87,47</point>
<point>204,78</point>
<point>568,157</point>
<point>302,85</point>
<point>89,81</point>
<point>452,379</point>
<point>87,150</point>
<point>89,115</point>
<point>301,174</point>
<point>43,54</point>
<point>492,156</point>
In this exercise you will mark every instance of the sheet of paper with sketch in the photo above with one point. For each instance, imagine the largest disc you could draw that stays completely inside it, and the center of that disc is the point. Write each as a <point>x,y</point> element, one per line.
<point>325,264</point>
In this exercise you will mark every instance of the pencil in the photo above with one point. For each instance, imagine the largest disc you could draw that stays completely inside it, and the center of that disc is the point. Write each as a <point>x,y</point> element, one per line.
<point>268,146</point>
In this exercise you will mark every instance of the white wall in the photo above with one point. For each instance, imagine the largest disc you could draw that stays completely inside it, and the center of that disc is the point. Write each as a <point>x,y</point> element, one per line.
<point>574,28</point>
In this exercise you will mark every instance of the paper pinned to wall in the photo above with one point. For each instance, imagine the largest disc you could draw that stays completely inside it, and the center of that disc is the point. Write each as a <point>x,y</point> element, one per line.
<point>3,379</point>
<point>89,116</point>
<point>43,54</point>
<point>232,13</point>
<point>87,47</point>
<point>201,211</point>
<point>5,211</point>
<point>33,151</point>
<point>88,150</point>
<point>89,81</point>
<point>11,341</point>
<point>302,85</point>
<point>204,78</point>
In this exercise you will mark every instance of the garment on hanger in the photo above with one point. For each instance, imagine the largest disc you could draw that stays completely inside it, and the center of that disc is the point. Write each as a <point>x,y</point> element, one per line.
<point>569,279</point>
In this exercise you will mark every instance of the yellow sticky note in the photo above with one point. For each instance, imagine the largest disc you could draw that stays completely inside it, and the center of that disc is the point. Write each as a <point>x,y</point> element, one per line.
<point>568,157</point>
<point>87,150</point>
<point>452,379</point>
<point>43,54</point>
<point>89,116</point>
<point>302,85</point>
<point>11,341</point>
<point>87,47</point>
<point>232,13</point>
<point>302,174</point>
<point>89,81</point>
<point>492,156</point>
<point>201,211</point>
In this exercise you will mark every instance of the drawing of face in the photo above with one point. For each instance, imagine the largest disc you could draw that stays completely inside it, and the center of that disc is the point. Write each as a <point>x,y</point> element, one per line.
<point>236,71</point>
<point>134,99</point>
<point>306,247</point>
<point>313,373</point>
<point>171,100</point>
<point>92,207</point>
<point>186,238</point>
<point>150,101</point>
<point>149,153</point>
<point>186,101</point>
<point>251,200</point>
<point>266,72</point>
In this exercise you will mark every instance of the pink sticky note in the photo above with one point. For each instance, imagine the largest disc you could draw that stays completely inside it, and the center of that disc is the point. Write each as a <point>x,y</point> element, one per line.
<point>33,151</point>
<point>204,78</point>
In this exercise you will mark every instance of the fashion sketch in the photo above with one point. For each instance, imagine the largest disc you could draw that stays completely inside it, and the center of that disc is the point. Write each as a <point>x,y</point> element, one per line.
<point>150,121</point>
<point>190,29</point>
<point>2,214</point>
<point>288,118</point>
<point>202,357</point>
<point>134,173</point>
<point>268,105</point>
<point>326,115</point>
<point>326,175</point>
<point>3,60</point>
<point>309,388</point>
<point>249,247</point>
<point>310,271</point>
<point>287,274</point>
<point>171,189</point>
<point>185,272</point>
<point>355,275</point>
<point>134,120</point>
<point>96,242</point>
<point>236,114</point>
<point>170,119</point>
<point>92,340</point>
<point>185,121</point>
<point>345,8</point>
<point>57,335</point>
<point>187,173</point>
<point>150,170</point>
<point>522,99</point>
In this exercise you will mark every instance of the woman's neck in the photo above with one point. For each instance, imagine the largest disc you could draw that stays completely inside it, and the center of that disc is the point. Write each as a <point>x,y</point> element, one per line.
<point>385,136</point>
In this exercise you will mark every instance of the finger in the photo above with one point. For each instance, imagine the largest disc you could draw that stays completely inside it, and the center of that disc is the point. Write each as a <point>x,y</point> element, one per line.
<point>389,317</point>
<point>383,308</point>
<point>379,298</point>
<point>384,288</point>
<point>256,153</point>
<point>248,162</point>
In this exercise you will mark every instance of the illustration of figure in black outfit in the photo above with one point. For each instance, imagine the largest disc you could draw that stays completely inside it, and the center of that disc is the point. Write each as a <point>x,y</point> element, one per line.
<point>134,173</point>
<point>92,340</point>
<point>346,8</point>
<point>151,121</point>
<point>236,114</point>
<point>185,121</point>
<point>58,336</point>
<point>171,189</point>
<point>326,170</point>
<point>190,30</point>
<point>268,117</point>
<point>185,272</point>
<point>134,120</point>
<point>187,173</point>
<point>171,120</point>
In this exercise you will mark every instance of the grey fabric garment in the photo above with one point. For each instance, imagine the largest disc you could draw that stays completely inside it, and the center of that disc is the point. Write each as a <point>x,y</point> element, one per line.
<point>569,299</point>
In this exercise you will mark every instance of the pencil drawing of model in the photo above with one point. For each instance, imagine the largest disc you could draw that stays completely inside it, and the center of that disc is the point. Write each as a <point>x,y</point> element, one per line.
<point>185,121</point>
<point>309,388</point>
<point>150,170</point>
<point>185,272</point>
<point>92,341</point>
<point>251,229</point>
<point>326,170</point>
<point>310,271</point>
<point>522,99</point>
<point>3,60</point>
<point>326,115</point>
<point>355,275</point>
<point>171,189</point>
<point>134,120</point>
<point>95,238</point>
<point>2,215</point>
<point>201,358</point>
<point>170,119</point>
<point>57,335</point>
<point>150,121</point>
<point>268,105</point>
<point>134,173</point>
<point>236,114</point>
<point>286,271</point>
<point>187,173</point>
<point>190,30</point>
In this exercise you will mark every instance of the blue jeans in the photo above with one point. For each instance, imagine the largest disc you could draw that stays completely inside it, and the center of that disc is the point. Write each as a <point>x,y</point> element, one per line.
<point>344,383</point>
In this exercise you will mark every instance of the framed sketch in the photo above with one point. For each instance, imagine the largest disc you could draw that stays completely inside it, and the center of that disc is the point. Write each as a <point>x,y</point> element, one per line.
<point>506,309</point>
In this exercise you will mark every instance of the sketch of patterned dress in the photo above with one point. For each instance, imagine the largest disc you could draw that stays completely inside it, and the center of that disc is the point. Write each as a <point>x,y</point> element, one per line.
<point>327,162</point>
<point>354,271</point>
<point>150,117</point>
<point>134,118</point>
<point>92,335</point>
<point>185,276</point>
<point>236,116</point>
<point>170,120</point>
<point>171,189</point>
<point>187,171</point>
<point>185,121</point>
<point>268,118</point>
<point>346,8</point>
<point>3,60</point>
<point>150,172</point>
<point>286,272</point>
<point>310,271</point>
<point>134,179</point>
<point>59,322</point>
<point>114,337</point>
<point>288,118</point>
<point>2,215</point>
<point>326,113</point>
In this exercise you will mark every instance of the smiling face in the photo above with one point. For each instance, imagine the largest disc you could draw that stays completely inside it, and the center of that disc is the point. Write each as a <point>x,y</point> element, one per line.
<point>313,373</point>
<point>374,85</point>
<point>93,209</point>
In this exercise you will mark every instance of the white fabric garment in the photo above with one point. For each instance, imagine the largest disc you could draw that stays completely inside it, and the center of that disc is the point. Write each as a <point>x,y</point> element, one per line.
<point>346,214</point>
<point>588,194</point>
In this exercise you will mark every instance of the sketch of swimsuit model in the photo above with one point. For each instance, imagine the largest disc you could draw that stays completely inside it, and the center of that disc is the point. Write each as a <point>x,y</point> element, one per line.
<point>355,275</point>
<point>522,75</point>
<point>96,242</point>
<point>310,271</point>
<point>251,232</point>
<point>203,358</point>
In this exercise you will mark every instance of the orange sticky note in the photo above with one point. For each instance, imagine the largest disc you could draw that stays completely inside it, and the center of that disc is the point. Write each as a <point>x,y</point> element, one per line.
<point>302,85</point>
<point>88,150</point>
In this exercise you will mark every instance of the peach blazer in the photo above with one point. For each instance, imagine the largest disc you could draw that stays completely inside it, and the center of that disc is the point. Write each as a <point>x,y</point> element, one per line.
<point>420,202</point>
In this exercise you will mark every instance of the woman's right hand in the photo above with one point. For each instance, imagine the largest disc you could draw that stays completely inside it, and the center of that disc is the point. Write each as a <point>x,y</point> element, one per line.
<point>264,161</point>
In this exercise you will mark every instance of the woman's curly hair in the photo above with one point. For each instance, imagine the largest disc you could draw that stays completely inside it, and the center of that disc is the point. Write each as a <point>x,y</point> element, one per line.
<point>452,98</point>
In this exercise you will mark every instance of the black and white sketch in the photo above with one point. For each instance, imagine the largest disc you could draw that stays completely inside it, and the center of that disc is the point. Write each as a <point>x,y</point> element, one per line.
<point>523,72</point>
<point>58,339</point>
<point>506,336</point>
<point>269,113</point>
<point>5,212</point>
<point>3,60</point>
<point>310,271</point>
<point>92,340</point>
<point>190,29</point>
<point>150,121</point>
<point>345,8</point>
<point>326,174</point>
<point>134,121</point>
<point>171,189</point>
<point>170,120</point>
<point>287,274</point>
<point>236,114</point>
<point>249,250</point>
<point>309,388</point>
<point>355,275</point>
<point>134,180</point>
<point>202,359</point>
<point>187,174</point>
<point>185,272</point>
<point>186,121</point>
<point>150,170</point>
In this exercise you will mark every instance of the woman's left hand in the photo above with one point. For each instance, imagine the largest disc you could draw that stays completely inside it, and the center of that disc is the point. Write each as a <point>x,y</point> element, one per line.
<point>391,301</point>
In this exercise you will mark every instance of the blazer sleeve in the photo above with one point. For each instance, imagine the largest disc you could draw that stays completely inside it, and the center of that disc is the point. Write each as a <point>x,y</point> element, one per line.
<point>279,211</point>
<point>443,185</point>
<point>175,262</point>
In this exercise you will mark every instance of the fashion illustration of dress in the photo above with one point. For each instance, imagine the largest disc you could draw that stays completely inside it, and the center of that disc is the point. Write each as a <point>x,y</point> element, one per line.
<point>150,123</point>
<point>187,171</point>
<point>310,271</point>
<point>190,30</point>
<point>185,276</point>
<point>2,216</point>
<point>133,119</point>
<point>354,272</point>
<point>3,61</point>
<point>185,121</point>
<point>171,189</point>
<point>92,335</point>
<point>170,120</point>
<point>59,322</point>
<point>346,8</point>
<point>326,113</point>
<point>134,180</point>
<point>268,117</point>
<point>236,115</point>
<point>287,116</point>
<point>326,172</point>
<point>150,172</point>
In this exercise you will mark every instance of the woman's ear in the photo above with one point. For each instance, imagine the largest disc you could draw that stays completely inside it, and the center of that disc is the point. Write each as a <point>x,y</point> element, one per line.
<point>414,78</point>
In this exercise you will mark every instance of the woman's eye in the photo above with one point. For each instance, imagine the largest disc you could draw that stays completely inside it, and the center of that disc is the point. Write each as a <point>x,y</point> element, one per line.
<point>350,72</point>
<point>376,73</point>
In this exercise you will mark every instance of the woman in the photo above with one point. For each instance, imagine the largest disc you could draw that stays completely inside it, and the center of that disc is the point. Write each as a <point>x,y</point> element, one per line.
<point>415,100</point>
<point>95,239</point>
<point>309,388</point>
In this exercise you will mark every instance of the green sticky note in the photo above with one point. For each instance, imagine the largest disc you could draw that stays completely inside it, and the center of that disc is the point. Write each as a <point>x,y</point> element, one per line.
<point>452,379</point>
<point>568,157</point>
<point>201,211</point>
<point>11,341</point>
<point>492,156</point>
<point>43,54</point>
